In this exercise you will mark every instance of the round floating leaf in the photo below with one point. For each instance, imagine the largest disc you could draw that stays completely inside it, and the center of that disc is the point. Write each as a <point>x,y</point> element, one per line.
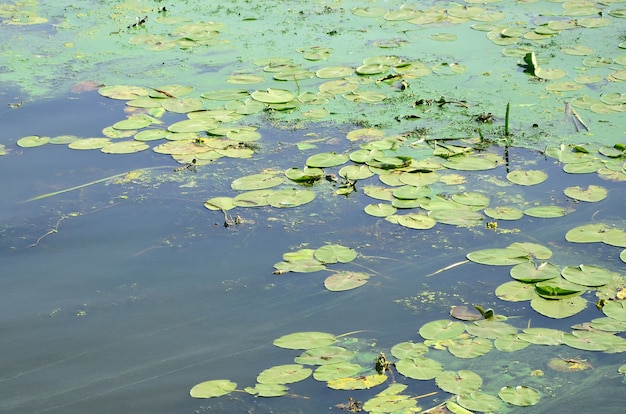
<point>32,141</point>
<point>558,288</point>
<point>420,368</point>
<point>89,143</point>
<point>418,179</point>
<point>416,221</point>
<point>220,203</point>
<point>151,135</point>
<point>182,106</point>
<point>123,92</point>
<point>334,72</point>
<point>608,324</point>
<point>133,123</point>
<point>521,395</point>
<point>615,237</point>
<point>334,253</point>
<point>213,388</point>
<point>267,390</point>
<point>535,250</point>
<point>479,401</point>
<point>461,382</point>
<point>470,163</point>
<point>504,213</point>
<point>587,275</point>
<point>292,197</point>
<point>462,218</point>
<point>465,313</point>
<point>284,374</point>
<point>515,291</point>
<point>125,147</point>
<point>591,341</point>
<point>255,198</point>
<point>527,177</point>
<point>360,383</point>
<point>408,350</point>
<point>558,309</point>
<point>256,182</point>
<point>530,273</point>
<point>489,329</point>
<point>588,233</point>
<point>324,355</point>
<point>326,159</point>
<point>471,198</point>
<point>193,125</point>
<point>470,348</point>
<point>545,211</point>
<point>550,74</point>
<point>386,403</point>
<point>273,96</point>
<point>442,329</point>
<point>499,257</point>
<point>341,281</point>
<point>300,266</point>
<point>411,192</point>
<point>226,95</point>
<point>615,310</point>
<point>592,194</point>
<point>380,210</point>
<point>510,343</point>
<point>335,371</point>
<point>305,175</point>
<point>542,336</point>
<point>355,172</point>
<point>305,340</point>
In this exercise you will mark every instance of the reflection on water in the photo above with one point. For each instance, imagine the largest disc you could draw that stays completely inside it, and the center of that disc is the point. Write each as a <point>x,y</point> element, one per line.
<point>121,297</point>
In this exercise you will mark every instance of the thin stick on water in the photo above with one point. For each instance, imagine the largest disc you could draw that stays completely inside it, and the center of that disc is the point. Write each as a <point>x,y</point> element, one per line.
<point>452,266</point>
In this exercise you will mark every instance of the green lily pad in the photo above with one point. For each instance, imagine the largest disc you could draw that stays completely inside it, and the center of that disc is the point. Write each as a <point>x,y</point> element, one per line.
<point>529,272</point>
<point>193,125</point>
<point>489,329</point>
<point>558,309</point>
<point>226,95</point>
<point>419,179</point>
<point>408,350</point>
<point>558,288</point>
<point>257,182</point>
<point>380,210</point>
<point>390,403</point>
<point>587,275</point>
<point>341,281</point>
<point>442,329</point>
<point>588,233</point>
<point>182,106</point>
<point>420,368</point>
<point>213,388</point>
<point>305,340</point>
<point>411,192</point>
<point>150,135</point>
<point>499,257</point>
<point>32,141</point>
<point>462,218</point>
<point>355,172</point>
<point>89,143</point>
<point>360,383</point>
<point>615,237</point>
<point>133,123</point>
<point>273,96</point>
<point>522,396</point>
<point>335,371</point>
<point>527,177</point>
<point>124,147</point>
<point>615,310</point>
<point>542,336</point>
<point>479,401</point>
<point>326,159</point>
<point>510,343</point>
<point>267,390</point>
<point>243,134</point>
<point>545,211</point>
<point>465,313</point>
<point>504,213</point>
<point>470,347</point>
<point>334,72</point>
<point>461,382</point>
<point>471,198</point>
<point>334,253</point>
<point>591,340</point>
<point>300,266</point>
<point>515,291</point>
<point>305,175</point>
<point>325,355</point>
<point>220,203</point>
<point>535,250</point>
<point>470,163</point>
<point>550,74</point>
<point>416,221</point>
<point>123,92</point>
<point>254,198</point>
<point>284,374</point>
<point>591,194</point>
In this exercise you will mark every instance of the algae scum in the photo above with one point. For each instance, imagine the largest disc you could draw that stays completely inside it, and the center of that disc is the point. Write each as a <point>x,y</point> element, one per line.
<point>383,142</point>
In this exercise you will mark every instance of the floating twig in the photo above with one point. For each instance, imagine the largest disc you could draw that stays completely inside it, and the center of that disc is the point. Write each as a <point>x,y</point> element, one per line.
<point>452,266</point>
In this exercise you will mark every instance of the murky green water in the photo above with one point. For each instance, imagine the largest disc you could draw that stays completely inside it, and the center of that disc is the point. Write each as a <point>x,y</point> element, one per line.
<point>122,295</point>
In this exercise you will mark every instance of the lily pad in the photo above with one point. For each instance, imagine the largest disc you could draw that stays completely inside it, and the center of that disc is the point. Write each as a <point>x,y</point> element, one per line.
<point>335,371</point>
<point>558,288</point>
<point>545,211</point>
<point>542,336</point>
<point>591,194</point>
<point>515,291</point>
<point>504,213</point>
<point>521,395</point>
<point>558,309</point>
<point>360,383</point>
<point>527,177</point>
<point>416,221</point>
<point>273,96</point>
<point>326,159</point>
<point>324,355</point>
<point>380,210</point>
<point>591,340</point>
<point>32,141</point>
<point>305,340</point>
<point>305,175</point>
<point>408,350</point>
<point>124,147</point>
<point>499,256</point>
<point>267,390</point>
<point>442,329</point>
<point>588,233</point>
<point>213,388</point>
<point>257,182</point>
<point>461,382</point>
<point>254,198</point>
<point>479,401</point>
<point>461,218</point>
<point>470,347</point>
<point>530,273</point>
<point>587,275</point>
<point>334,253</point>
<point>420,368</point>
<point>284,374</point>
<point>89,143</point>
<point>615,310</point>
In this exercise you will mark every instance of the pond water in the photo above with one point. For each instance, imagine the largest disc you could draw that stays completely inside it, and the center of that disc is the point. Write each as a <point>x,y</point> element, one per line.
<point>121,291</point>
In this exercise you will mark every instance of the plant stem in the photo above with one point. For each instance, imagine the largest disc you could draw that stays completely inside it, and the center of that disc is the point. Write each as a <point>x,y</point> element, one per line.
<point>506,119</point>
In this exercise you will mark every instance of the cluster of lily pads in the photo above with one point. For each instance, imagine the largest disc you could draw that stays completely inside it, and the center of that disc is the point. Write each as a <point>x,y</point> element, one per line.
<point>314,260</point>
<point>336,362</point>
